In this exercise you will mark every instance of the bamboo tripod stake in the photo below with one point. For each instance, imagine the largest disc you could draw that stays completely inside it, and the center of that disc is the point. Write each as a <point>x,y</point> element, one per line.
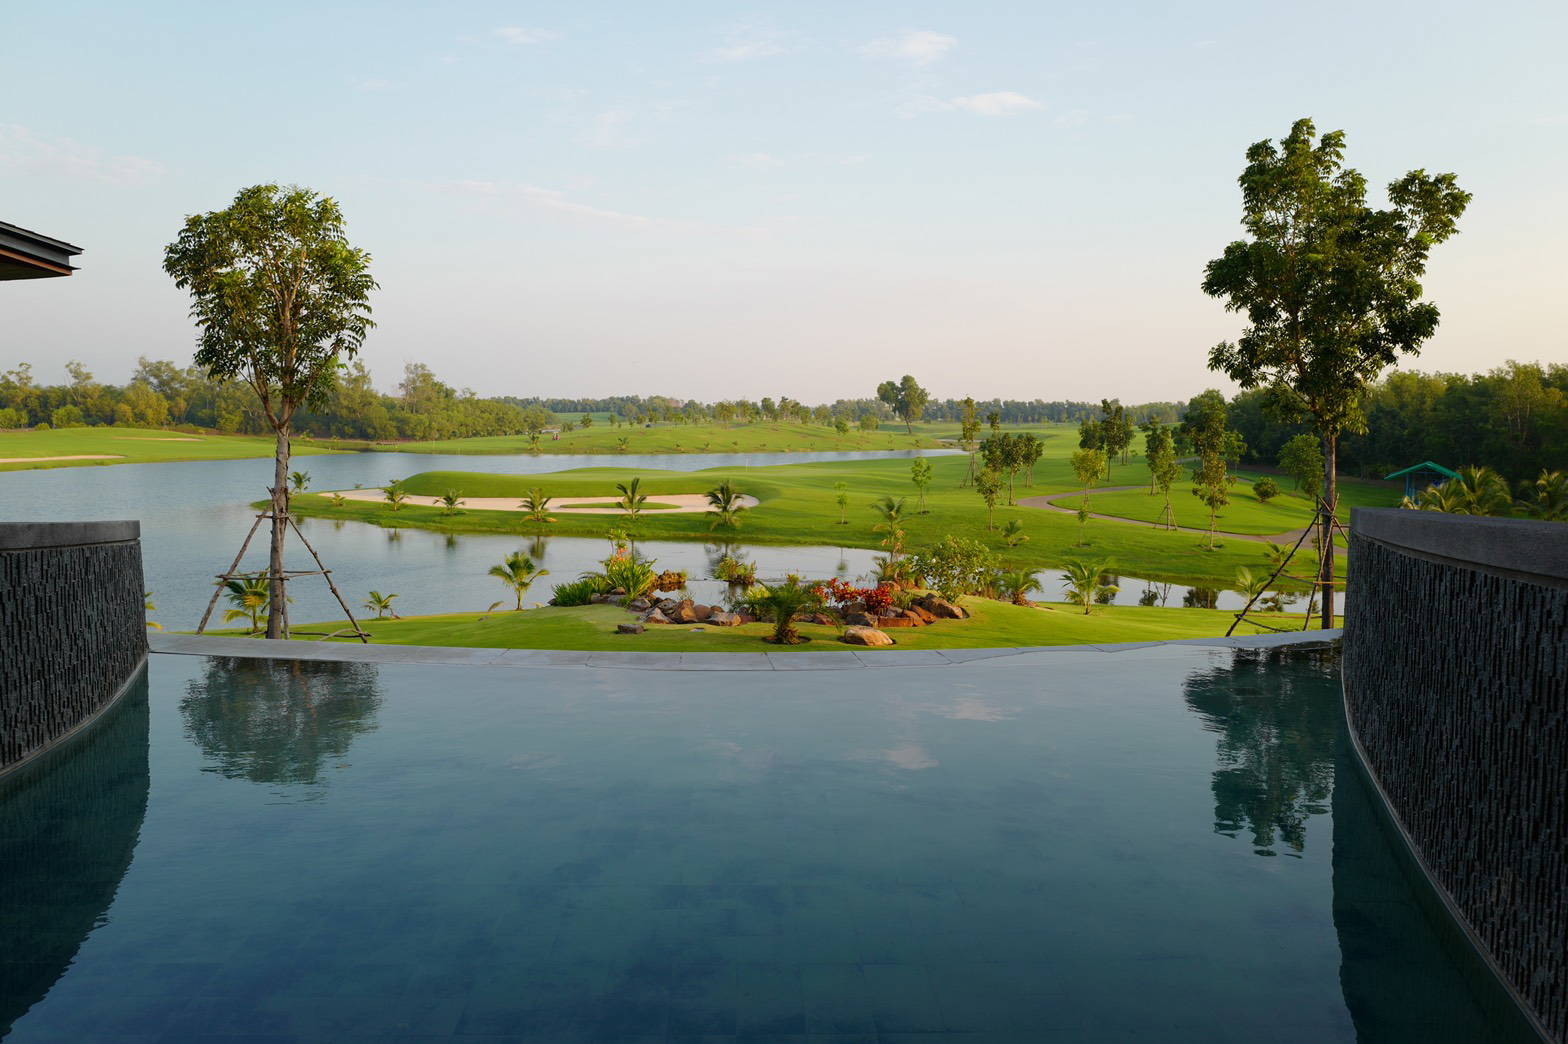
<point>287,575</point>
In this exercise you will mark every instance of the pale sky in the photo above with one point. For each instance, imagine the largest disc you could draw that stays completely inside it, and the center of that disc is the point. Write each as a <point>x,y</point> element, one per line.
<point>804,198</point>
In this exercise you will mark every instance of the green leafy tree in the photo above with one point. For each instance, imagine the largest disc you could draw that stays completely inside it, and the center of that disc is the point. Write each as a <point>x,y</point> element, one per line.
<point>1331,288</point>
<point>1265,489</point>
<point>517,572</point>
<point>869,422</point>
<point>535,420</point>
<point>988,484</point>
<point>920,473</point>
<point>841,498</point>
<point>585,421</point>
<point>906,399</point>
<point>1088,465</point>
<point>955,566</point>
<point>281,299</point>
<point>1302,459</point>
<point>381,605</point>
<point>841,426</point>
<point>969,433</point>
<point>1031,449</point>
<point>1160,453</point>
<point>1206,429</point>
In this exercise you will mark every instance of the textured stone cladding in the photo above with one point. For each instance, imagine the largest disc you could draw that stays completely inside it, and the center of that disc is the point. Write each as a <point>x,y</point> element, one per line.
<point>72,631</point>
<point>1456,684</point>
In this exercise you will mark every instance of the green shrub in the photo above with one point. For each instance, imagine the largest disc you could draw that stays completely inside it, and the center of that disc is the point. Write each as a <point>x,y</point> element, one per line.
<point>575,592</point>
<point>1266,489</point>
<point>12,418</point>
<point>67,417</point>
<point>956,566</point>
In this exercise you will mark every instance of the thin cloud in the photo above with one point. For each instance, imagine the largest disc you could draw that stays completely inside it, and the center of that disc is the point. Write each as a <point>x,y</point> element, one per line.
<point>746,45</point>
<point>25,151</point>
<point>519,35</point>
<point>916,46</point>
<point>757,160</point>
<point>543,199</point>
<point>997,103</point>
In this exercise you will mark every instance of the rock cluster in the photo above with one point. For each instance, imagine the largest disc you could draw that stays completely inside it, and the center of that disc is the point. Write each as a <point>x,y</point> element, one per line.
<point>685,611</point>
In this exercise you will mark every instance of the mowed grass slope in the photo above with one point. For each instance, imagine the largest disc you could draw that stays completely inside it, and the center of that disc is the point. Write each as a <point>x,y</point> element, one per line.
<point>133,446</point>
<point>765,437</point>
<point>798,507</point>
<point>1245,513</point>
<point>992,625</point>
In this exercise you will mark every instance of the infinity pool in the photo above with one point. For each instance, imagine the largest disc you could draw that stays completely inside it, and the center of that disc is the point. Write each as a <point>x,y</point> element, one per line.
<point>1166,844</point>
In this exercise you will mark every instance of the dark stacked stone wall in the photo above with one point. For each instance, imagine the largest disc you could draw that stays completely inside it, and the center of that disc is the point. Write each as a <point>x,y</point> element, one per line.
<point>1456,689</point>
<point>72,627</point>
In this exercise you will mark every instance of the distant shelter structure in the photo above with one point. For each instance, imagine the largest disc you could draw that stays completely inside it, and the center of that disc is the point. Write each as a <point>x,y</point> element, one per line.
<point>1420,476</point>
<point>29,255</point>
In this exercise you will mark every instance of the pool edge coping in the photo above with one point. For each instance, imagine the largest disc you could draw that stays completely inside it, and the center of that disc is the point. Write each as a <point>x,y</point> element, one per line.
<point>251,648</point>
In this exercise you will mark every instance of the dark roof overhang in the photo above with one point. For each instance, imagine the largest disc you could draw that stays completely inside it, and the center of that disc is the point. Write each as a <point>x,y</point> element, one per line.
<point>29,255</point>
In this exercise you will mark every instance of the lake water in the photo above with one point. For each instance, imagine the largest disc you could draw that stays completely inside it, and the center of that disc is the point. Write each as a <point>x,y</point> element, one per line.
<point>194,515</point>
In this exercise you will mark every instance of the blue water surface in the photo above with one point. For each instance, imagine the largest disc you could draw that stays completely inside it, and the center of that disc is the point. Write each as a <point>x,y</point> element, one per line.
<point>1158,845</point>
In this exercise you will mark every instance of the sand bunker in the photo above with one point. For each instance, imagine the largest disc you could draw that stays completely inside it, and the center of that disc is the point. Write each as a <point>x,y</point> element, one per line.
<point>685,503</point>
<point>74,456</point>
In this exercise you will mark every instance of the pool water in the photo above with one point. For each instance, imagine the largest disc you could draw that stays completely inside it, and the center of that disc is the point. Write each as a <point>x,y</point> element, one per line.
<point>1165,844</point>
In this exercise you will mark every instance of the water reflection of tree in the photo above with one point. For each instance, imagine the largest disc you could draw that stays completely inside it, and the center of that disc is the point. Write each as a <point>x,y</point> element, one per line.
<point>278,721</point>
<point>1276,715</point>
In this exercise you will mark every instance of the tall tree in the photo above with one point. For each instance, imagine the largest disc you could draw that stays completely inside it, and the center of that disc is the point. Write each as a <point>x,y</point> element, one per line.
<point>281,298</point>
<point>906,399</point>
<point>1206,429</point>
<point>968,431</point>
<point>1330,285</point>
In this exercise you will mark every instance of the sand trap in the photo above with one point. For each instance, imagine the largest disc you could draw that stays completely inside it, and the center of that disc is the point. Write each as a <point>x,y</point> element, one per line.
<point>157,438</point>
<point>685,503</point>
<point>75,456</point>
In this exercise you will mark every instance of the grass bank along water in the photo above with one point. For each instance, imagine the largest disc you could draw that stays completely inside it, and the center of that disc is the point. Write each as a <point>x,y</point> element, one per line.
<point>798,504</point>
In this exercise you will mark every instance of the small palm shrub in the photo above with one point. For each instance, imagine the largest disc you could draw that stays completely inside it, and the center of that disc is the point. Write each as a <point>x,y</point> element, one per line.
<point>1085,583</point>
<point>733,570</point>
<point>632,575</point>
<point>780,604</point>
<point>575,592</point>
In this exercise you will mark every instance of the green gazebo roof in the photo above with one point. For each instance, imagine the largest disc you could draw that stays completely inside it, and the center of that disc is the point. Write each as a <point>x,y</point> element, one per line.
<point>1425,465</point>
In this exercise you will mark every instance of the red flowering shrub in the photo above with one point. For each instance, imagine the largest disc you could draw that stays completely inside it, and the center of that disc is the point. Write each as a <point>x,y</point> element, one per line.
<point>838,593</point>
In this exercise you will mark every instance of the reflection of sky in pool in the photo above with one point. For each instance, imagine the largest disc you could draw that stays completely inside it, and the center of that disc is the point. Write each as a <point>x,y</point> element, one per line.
<point>1164,844</point>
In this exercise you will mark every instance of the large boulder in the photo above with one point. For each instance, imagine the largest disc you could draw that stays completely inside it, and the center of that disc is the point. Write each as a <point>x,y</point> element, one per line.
<point>639,605</point>
<point>859,619</point>
<point>703,612</point>
<point>655,617</point>
<point>822,618</point>
<point>866,636</point>
<point>720,618</point>
<point>897,621</point>
<point>942,609</point>
<point>925,615</point>
<point>685,612</point>
<point>629,628</point>
<point>667,606</point>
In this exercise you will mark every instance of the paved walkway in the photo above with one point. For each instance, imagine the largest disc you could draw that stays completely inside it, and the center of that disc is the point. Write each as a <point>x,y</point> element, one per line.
<point>1047,503</point>
<point>856,659</point>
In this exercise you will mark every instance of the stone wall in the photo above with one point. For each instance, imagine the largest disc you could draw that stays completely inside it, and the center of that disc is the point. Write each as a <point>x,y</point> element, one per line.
<point>72,628</point>
<point>1456,690</point>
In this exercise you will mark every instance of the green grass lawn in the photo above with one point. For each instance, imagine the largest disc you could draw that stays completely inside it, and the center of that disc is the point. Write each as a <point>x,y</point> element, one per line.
<point>992,625</point>
<point>797,507</point>
<point>133,446</point>
<point>1245,513</point>
<point>764,437</point>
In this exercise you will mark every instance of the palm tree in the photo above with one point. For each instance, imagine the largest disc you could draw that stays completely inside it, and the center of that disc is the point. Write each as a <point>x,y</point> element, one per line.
<point>517,572</point>
<point>1083,584</point>
<point>300,480</point>
<point>841,497</point>
<point>781,602</point>
<point>147,605</point>
<point>1018,584</point>
<point>1476,490</point>
<point>395,494</point>
<point>1013,533</point>
<point>338,500</point>
<point>1547,497</point>
<point>724,499</point>
<point>537,505</point>
<point>250,595</point>
<point>623,444</point>
<point>631,501</point>
<point>1251,586</point>
<point>381,605</point>
<point>892,512</point>
<point>451,500</point>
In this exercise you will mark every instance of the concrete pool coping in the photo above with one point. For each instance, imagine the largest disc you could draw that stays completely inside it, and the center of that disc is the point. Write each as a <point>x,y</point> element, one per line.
<point>342,652</point>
